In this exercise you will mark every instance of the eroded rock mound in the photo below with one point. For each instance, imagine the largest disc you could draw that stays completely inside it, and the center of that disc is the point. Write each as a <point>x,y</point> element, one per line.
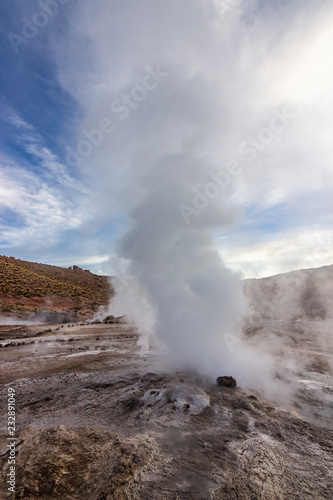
<point>226,382</point>
<point>78,463</point>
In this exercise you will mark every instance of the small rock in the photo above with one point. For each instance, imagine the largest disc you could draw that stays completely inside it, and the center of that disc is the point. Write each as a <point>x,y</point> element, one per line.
<point>226,382</point>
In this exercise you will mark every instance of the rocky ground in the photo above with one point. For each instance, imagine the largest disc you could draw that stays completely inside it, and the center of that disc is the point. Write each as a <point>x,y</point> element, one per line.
<point>96,419</point>
<point>303,354</point>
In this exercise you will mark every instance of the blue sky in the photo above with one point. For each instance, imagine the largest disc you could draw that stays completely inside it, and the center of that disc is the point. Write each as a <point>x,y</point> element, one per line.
<point>43,216</point>
<point>212,81</point>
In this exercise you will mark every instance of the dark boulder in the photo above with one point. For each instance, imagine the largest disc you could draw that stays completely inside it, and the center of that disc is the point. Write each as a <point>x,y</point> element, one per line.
<point>226,382</point>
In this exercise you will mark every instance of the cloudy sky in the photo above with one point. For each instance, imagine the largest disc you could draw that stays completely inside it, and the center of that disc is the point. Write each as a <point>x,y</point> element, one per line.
<point>99,98</point>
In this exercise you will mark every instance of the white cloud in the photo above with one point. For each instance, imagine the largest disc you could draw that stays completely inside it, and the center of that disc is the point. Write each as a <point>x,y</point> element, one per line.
<point>41,212</point>
<point>16,120</point>
<point>39,200</point>
<point>54,169</point>
<point>297,249</point>
<point>82,260</point>
<point>32,142</point>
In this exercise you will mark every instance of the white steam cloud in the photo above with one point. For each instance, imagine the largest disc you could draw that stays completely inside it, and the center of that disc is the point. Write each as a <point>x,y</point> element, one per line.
<point>195,298</point>
<point>173,96</point>
<point>180,290</point>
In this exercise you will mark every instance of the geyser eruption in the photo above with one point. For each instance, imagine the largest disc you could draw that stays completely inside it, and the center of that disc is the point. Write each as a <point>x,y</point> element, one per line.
<point>173,166</point>
<point>195,300</point>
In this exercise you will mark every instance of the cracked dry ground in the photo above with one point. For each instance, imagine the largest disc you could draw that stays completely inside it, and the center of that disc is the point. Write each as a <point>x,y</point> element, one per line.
<point>97,420</point>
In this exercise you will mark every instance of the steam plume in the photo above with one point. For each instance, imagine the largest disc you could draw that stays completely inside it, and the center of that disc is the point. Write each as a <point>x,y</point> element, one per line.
<point>223,80</point>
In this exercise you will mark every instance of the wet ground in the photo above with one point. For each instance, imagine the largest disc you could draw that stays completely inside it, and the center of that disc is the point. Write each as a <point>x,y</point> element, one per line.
<point>97,419</point>
<point>303,354</point>
<point>43,350</point>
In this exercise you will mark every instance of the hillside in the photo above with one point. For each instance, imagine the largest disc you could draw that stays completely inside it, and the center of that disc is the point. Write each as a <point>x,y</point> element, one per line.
<point>306,293</point>
<point>27,286</point>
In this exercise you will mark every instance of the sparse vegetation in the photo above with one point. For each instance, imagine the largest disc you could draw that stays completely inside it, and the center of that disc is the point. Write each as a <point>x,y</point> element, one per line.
<point>20,278</point>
